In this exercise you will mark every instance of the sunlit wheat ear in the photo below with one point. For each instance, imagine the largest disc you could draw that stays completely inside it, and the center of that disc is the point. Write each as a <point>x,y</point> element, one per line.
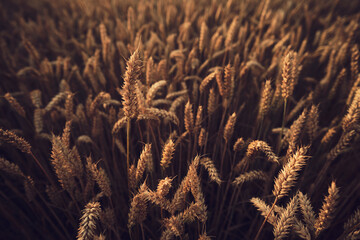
<point>178,102</point>
<point>239,144</point>
<point>354,62</point>
<point>35,97</point>
<point>145,162</point>
<point>100,177</point>
<point>11,138</point>
<point>167,154</point>
<point>264,210</point>
<point>328,136</point>
<point>290,74</point>
<point>204,237</point>
<point>198,119</point>
<point>10,167</point>
<point>265,100</point>
<point>306,210</point>
<point>288,175</point>
<point>229,127</point>
<point>206,81</point>
<point>15,104</point>
<point>229,84</point>
<point>286,219</point>
<point>354,88</point>
<point>56,100</point>
<point>202,137</point>
<point>204,37</point>
<point>119,125</point>
<point>295,132</point>
<point>150,95</point>
<point>343,143</point>
<point>189,117</point>
<point>155,113</point>
<point>210,167</point>
<point>327,210</point>
<point>164,186</point>
<point>250,176</point>
<point>352,225</point>
<point>102,96</point>
<point>211,102</point>
<point>150,74</point>
<point>88,221</point>
<point>260,146</point>
<point>138,207</point>
<point>232,31</point>
<point>353,116</point>
<point>132,74</point>
<point>312,123</point>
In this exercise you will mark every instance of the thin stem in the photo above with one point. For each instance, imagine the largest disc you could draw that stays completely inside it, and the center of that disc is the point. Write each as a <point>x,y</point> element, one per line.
<point>42,168</point>
<point>128,149</point>
<point>260,129</point>
<point>283,121</point>
<point>282,126</point>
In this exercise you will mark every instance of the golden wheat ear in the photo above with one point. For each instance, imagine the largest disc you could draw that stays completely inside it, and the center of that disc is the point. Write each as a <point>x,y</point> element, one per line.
<point>88,220</point>
<point>327,210</point>
<point>288,175</point>
<point>286,219</point>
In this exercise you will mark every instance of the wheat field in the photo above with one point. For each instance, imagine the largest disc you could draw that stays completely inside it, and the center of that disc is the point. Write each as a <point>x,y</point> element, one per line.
<point>176,119</point>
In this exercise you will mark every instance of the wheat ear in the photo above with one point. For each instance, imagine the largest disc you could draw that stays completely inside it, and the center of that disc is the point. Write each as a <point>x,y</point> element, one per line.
<point>88,220</point>
<point>138,207</point>
<point>210,167</point>
<point>286,219</point>
<point>288,175</point>
<point>250,176</point>
<point>229,127</point>
<point>306,210</point>
<point>167,154</point>
<point>15,104</point>
<point>352,226</point>
<point>145,161</point>
<point>327,210</point>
